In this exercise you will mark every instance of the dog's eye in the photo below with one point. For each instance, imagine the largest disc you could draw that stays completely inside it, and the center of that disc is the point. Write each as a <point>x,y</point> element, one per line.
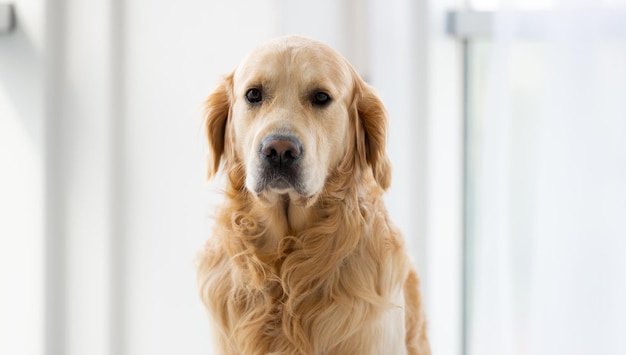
<point>321,99</point>
<point>254,96</point>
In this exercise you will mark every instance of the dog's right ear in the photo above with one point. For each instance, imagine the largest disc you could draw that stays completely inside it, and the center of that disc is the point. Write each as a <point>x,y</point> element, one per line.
<point>217,112</point>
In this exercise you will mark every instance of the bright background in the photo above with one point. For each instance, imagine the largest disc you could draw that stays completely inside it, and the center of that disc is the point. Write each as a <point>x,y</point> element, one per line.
<point>508,147</point>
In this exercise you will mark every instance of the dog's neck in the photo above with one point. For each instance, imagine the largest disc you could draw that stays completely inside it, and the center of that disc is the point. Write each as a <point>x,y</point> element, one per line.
<point>296,217</point>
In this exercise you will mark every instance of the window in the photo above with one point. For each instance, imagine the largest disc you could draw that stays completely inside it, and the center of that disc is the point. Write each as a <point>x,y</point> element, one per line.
<point>545,178</point>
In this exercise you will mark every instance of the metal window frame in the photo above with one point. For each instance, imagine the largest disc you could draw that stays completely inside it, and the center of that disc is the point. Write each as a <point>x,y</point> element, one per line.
<point>532,24</point>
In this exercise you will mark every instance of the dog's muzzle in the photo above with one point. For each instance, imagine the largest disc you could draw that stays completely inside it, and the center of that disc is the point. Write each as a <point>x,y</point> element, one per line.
<point>280,157</point>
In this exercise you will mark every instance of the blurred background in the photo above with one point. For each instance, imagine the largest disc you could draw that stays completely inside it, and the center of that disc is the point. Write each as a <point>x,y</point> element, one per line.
<point>508,141</point>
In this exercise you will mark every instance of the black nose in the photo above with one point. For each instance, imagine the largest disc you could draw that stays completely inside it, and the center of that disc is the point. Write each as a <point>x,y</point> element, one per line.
<point>280,151</point>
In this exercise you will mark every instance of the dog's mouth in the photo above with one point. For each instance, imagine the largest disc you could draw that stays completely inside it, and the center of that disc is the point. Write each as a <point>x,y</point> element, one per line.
<point>274,187</point>
<point>279,181</point>
<point>280,184</point>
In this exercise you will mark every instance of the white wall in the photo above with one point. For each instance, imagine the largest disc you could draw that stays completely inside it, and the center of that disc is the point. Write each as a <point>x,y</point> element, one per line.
<point>22,201</point>
<point>103,102</point>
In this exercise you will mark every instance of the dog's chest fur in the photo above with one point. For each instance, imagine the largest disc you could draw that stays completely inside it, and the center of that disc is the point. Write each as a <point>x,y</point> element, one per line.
<point>276,290</point>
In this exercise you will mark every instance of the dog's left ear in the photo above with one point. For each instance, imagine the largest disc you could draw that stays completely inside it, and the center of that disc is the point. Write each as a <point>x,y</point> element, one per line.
<point>373,117</point>
<point>217,110</point>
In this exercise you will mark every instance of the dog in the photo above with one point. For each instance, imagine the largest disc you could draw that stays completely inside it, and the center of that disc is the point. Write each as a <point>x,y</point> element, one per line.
<point>304,258</point>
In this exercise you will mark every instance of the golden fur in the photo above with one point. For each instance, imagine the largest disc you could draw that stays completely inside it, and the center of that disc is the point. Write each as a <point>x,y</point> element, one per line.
<point>319,269</point>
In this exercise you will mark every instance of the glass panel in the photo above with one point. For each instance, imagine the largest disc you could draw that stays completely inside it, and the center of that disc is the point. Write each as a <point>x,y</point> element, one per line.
<point>546,197</point>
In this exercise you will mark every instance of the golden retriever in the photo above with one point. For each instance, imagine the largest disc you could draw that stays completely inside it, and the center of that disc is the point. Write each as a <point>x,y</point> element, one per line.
<point>304,258</point>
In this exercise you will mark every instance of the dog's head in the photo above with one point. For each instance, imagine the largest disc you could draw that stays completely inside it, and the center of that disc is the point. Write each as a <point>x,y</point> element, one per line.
<point>292,113</point>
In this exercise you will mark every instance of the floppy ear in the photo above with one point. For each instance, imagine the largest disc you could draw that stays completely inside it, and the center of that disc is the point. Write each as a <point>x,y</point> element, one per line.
<point>373,117</point>
<point>217,110</point>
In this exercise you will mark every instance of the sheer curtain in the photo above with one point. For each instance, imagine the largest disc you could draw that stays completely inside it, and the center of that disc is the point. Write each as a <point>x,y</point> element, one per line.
<point>547,181</point>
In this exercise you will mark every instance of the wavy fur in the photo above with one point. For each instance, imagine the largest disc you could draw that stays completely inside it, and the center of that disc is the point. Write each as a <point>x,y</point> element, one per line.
<point>324,275</point>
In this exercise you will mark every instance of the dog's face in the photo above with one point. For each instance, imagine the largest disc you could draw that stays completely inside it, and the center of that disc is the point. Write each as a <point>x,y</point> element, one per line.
<point>290,117</point>
<point>291,113</point>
